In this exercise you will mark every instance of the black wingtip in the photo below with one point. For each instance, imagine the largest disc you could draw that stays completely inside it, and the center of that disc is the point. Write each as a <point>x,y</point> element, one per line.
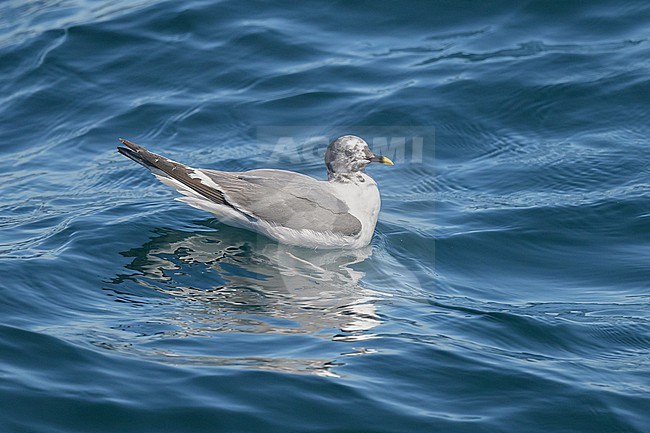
<point>135,156</point>
<point>131,145</point>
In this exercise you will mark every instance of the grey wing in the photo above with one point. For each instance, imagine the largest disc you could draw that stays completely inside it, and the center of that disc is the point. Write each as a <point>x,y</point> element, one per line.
<point>287,199</point>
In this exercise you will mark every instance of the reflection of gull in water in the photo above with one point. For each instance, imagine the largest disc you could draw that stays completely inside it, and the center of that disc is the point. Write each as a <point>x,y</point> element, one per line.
<point>234,281</point>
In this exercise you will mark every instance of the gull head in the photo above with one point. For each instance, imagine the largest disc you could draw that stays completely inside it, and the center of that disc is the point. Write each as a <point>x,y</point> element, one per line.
<point>348,156</point>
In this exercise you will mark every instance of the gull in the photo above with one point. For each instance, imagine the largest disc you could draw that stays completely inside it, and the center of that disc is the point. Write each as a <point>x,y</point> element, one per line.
<point>286,206</point>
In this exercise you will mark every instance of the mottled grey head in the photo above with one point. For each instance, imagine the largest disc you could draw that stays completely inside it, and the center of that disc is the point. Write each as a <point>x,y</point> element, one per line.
<point>349,155</point>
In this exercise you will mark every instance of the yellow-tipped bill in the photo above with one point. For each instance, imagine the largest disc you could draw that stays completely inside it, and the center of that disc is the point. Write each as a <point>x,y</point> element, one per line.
<point>382,159</point>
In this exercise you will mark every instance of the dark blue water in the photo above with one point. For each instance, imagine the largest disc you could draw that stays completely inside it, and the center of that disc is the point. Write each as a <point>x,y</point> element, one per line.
<point>507,285</point>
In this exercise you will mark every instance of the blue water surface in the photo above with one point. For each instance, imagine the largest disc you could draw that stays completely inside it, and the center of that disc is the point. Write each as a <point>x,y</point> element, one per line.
<point>506,288</point>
